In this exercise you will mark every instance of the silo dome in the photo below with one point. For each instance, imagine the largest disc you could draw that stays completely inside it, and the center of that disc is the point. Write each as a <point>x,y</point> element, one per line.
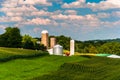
<point>44,31</point>
<point>58,50</point>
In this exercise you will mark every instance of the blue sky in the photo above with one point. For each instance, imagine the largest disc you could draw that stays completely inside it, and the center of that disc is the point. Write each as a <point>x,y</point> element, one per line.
<point>78,19</point>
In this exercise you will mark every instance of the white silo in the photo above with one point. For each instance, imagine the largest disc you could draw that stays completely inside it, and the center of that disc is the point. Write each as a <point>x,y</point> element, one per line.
<point>58,50</point>
<point>44,38</point>
<point>72,47</point>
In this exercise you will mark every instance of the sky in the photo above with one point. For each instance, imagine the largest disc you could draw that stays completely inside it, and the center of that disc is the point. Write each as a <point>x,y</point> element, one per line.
<point>78,19</point>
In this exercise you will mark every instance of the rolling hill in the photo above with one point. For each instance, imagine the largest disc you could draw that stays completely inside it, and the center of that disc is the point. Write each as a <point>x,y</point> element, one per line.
<point>96,68</point>
<point>30,65</point>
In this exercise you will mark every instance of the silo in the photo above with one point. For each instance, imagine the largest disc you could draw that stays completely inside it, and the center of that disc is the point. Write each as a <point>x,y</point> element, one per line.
<point>72,47</point>
<point>52,42</point>
<point>58,50</point>
<point>44,38</point>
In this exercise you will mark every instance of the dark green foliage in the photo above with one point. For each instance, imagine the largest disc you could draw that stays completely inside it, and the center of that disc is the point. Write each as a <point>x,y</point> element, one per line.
<point>88,46</point>
<point>92,46</point>
<point>98,46</point>
<point>31,43</point>
<point>97,68</point>
<point>27,42</point>
<point>64,41</point>
<point>40,47</point>
<point>110,47</point>
<point>28,45</point>
<point>11,38</point>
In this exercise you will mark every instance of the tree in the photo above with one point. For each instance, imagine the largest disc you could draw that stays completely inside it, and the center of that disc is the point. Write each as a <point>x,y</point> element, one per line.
<point>11,38</point>
<point>64,41</point>
<point>27,42</point>
<point>110,47</point>
<point>40,47</point>
<point>79,46</point>
<point>92,49</point>
<point>31,43</point>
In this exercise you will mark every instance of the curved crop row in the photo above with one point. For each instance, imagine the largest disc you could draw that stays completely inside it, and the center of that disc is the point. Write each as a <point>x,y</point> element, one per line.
<point>97,68</point>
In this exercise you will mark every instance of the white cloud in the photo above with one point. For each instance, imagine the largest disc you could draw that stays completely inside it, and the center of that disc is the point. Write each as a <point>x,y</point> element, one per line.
<point>116,23</point>
<point>83,22</point>
<point>25,14</point>
<point>70,12</point>
<point>39,21</point>
<point>116,13</point>
<point>22,8</point>
<point>14,14</point>
<point>57,12</point>
<point>103,5</point>
<point>73,17</point>
<point>37,29</point>
<point>9,3</point>
<point>19,8</point>
<point>41,13</point>
<point>18,11</point>
<point>76,4</point>
<point>103,15</point>
<point>33,2</point>
<point>14,3</point>
<point>66,17</point>
<point>111,24</point>
<point>11,19</point>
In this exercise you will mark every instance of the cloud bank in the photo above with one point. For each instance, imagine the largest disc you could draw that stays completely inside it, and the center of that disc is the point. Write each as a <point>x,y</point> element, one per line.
<point>49,14</point>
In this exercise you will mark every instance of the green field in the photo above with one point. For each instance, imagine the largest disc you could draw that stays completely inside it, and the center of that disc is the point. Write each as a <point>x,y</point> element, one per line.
<point>28,68</point>
<point>23,64</point>
<point>7,54</point>
<point>97,68</point>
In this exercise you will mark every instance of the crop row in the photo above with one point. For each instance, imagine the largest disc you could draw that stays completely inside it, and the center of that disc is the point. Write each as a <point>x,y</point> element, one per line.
<point>97,68</point>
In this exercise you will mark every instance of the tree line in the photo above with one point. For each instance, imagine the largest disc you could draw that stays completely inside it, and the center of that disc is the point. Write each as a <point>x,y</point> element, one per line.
<point>13,39</point>
<point>92,46</point>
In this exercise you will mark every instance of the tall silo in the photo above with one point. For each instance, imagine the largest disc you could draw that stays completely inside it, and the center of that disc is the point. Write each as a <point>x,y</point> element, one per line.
<point>52,42</point>
<point>44,38</point>
<point>72,47</point>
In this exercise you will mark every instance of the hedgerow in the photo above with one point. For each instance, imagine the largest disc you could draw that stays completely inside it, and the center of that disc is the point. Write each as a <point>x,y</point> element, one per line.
<point>7,54</point>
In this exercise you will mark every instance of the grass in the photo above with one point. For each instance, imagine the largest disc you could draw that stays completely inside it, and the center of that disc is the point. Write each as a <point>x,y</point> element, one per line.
<point>29,68</point>
<point>7,54</point>
<point>33,65</point>
<point>96,68</point>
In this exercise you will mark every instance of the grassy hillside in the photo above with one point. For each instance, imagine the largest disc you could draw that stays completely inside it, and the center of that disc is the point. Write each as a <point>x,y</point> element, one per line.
<point>22,64</point>
<point>97,68</point>
<point>28,68</point>
<point>7,54</point>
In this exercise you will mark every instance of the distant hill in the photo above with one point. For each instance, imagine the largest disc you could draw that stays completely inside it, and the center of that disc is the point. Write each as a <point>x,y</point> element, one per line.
<point>106,40</point>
